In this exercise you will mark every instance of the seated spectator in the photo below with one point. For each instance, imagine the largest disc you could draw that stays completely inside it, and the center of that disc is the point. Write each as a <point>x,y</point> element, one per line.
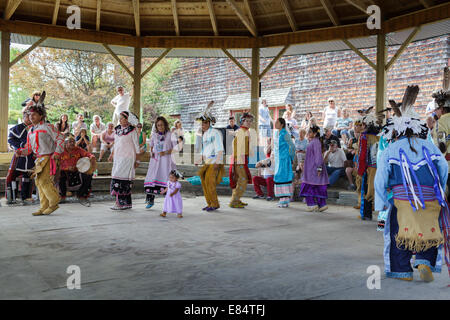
<point>107,139</point>
<point>352,150</point>
<point>291,123</point>
<point>78,125</point>
<point>69,175</point>
<point>300,147</point>
<point>266,178</point>
<point>63,125</point>
<point>97,127</point>
<point>232,124</point>
<point>142,138</point>
<point>82,140</point>
<point>343,126</point>
<point>328,137</point>
<point>334,160</point>
<point>305,124</point>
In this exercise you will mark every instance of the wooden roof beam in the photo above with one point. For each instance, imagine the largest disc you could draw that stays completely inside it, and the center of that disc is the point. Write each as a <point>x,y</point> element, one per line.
<point>360,54</point>
<point>11,8</point>
<point>165,53</point>
<point>55,11</point>
<point>248,8</point>
<point>23,54</point>
<point>402,47</point>
<point>330,12</point>
<point>123,65</point>
<point>175,17</point>
<point>274,60</point>
<point>359,4</point>
<point>97,20</point>
<point>427,3</point>
<point>244,19</point>
<point>213,17</point>
<point>290,16</point>
<point>137,18</point>
<point>229,55</point>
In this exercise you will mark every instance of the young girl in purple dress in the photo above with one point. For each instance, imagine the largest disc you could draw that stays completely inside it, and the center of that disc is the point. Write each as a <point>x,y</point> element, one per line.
<point>173,203</point>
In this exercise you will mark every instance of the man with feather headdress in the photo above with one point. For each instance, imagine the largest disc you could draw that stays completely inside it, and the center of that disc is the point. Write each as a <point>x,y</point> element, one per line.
<point>211,148</point>
<point>46,143</point>
<point>415,170</point>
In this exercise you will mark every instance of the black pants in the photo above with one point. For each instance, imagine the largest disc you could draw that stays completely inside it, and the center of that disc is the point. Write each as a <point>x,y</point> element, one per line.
<point>84,189</point>
<point>152,192</point>
<point>25,183</point>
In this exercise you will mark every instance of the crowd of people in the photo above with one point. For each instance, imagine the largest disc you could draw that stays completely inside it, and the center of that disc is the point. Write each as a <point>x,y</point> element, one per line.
<point>396,162</point>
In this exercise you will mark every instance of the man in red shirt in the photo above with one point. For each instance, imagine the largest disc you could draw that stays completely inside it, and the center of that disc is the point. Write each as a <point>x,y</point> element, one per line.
<point>69,172</point>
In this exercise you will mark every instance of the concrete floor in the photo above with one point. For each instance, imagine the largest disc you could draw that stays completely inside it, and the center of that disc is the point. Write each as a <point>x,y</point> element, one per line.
<point>262,252</point>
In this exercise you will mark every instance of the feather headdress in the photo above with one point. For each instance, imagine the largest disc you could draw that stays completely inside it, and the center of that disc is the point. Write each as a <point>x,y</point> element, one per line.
<point>206,115</point>
<point>405,119</point>
<point>39,107</point>
<point>370,119</point>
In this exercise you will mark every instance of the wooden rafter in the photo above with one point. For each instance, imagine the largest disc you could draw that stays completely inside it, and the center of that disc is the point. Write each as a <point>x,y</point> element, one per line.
<point>274,60</point>
<point>11,8</point>
<point>403,47</point>
<point>55,12</point>
<point>123,65</point>
<point>23,54</point>
<point>427,3</point>
<point>97,20</point>
<point>137,17</point>
<point>289,14</point>
<point>175,17</point>
<point>236,62</point>
<point>359,4</point>
<point>155,62</point>
<point>243,18</point>
<point>213,17</point>
<point>330,12</point>
<point>359,53</point>
<point>248,8</point>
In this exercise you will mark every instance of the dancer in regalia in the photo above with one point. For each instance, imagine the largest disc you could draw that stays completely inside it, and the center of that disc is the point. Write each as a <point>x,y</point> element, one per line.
<point>210,144</point>
<point>46,143</point>
<point>239,173</point>
<point>418,216</point>
<point>20,166</point>
<point>366,163</point>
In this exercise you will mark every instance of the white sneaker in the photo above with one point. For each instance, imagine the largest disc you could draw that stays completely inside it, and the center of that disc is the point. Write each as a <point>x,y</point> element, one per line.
<point>310,209</point>
<point>323,208</point>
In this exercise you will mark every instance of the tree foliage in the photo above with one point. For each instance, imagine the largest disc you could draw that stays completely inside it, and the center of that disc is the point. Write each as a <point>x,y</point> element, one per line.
<point>78,81</point>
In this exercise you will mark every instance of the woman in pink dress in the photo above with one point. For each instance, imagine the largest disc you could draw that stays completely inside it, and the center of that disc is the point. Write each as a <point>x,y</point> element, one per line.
<point>162,144</point>
<point>173,203</point>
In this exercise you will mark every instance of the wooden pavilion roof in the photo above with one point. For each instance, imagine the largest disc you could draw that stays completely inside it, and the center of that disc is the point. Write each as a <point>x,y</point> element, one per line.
<point>214,23</point>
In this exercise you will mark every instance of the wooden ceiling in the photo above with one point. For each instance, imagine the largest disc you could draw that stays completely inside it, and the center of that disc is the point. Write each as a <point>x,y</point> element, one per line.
<point>205,18</point>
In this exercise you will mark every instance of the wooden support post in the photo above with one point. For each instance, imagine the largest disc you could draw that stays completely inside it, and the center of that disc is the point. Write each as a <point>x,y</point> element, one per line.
<point>137,82</point>
<point>254,98</point>
<point>4,85</point>
<point>381,72</point>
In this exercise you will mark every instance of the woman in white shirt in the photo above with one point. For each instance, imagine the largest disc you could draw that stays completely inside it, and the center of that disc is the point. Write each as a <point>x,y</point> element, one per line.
<point>330,114</point>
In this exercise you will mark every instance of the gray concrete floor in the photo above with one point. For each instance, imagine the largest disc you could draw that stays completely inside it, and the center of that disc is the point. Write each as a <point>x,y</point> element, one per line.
<point>262,252</point>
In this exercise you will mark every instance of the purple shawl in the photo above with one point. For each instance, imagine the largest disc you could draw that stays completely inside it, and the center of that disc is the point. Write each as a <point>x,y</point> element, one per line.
<point>313,160</point>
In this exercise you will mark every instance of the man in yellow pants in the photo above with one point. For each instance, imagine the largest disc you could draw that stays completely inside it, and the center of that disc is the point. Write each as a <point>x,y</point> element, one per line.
<point>212,156</point>
<point>47,144</point>
<point>239,173</point>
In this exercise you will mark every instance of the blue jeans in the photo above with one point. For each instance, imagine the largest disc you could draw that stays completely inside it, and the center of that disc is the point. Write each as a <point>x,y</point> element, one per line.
<point>339,132</point>
<point>334,174</point>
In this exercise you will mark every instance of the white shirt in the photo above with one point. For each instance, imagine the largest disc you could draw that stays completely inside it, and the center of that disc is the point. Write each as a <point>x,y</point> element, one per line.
<point>336,159</point>
<point>97,130</point>
<point>212,144</point>
<point>330,117</point>
<point>121,103</point>
<point>75,125</point>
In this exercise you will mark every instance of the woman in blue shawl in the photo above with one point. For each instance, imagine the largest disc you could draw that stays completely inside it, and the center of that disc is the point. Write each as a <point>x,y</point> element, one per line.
<point>284,153</point>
